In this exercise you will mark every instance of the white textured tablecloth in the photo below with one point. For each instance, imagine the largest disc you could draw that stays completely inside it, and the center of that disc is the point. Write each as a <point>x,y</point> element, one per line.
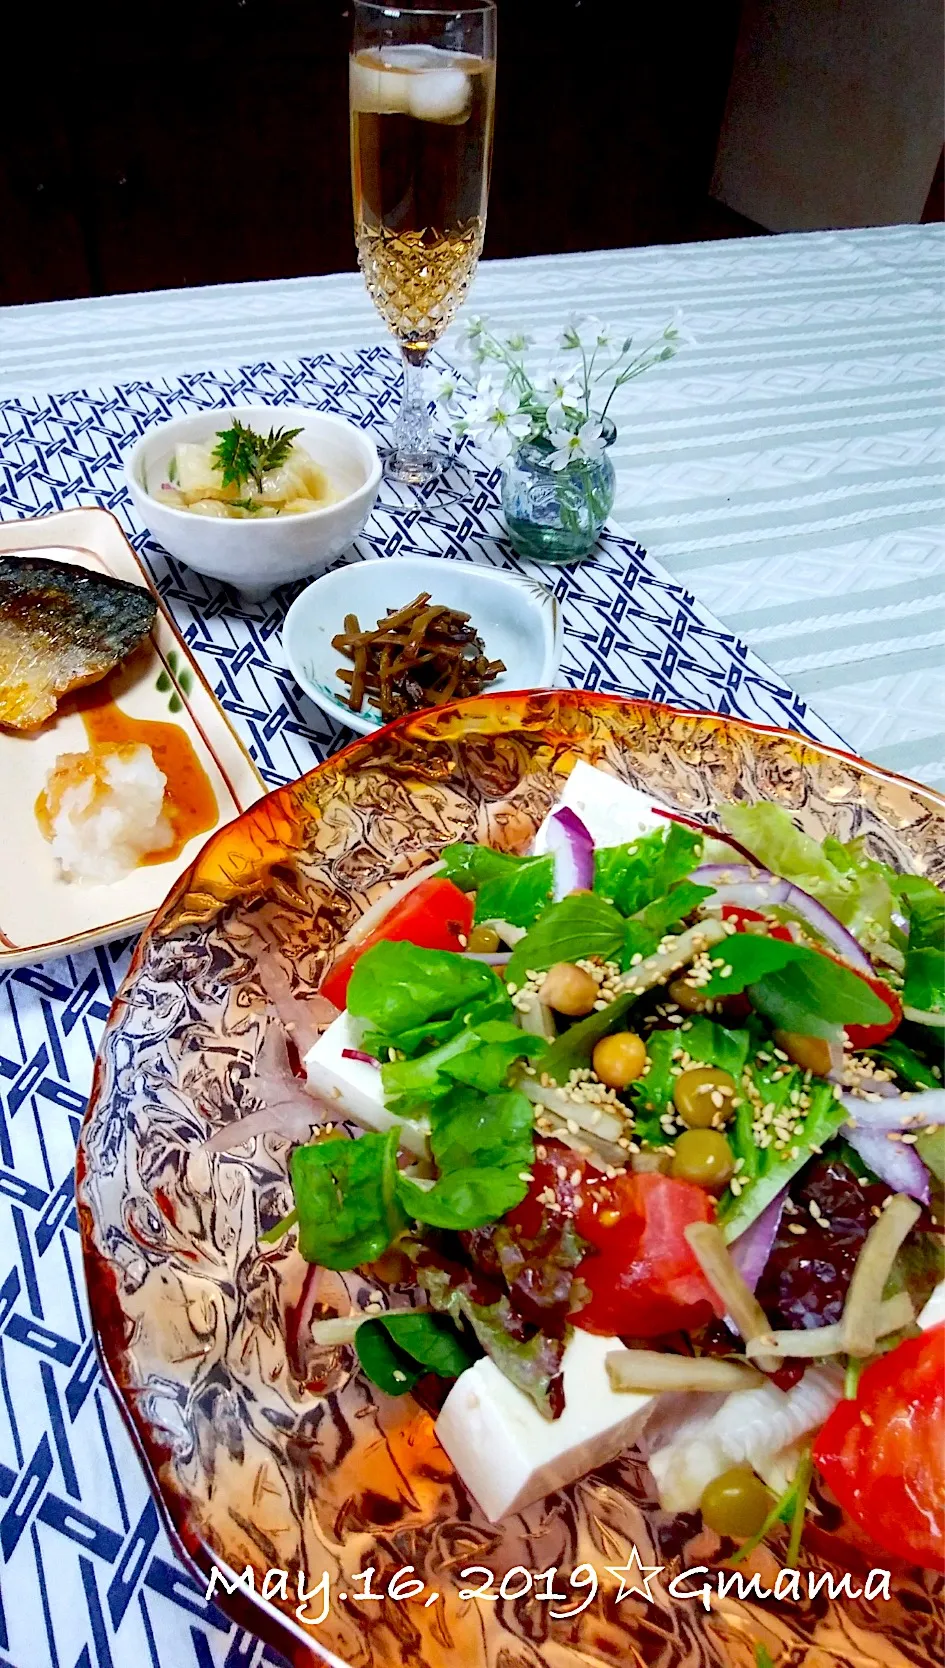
<point>788,467</point>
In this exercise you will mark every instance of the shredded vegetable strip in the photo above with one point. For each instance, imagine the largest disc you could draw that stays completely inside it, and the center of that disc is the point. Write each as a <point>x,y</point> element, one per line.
<point>647,1369</point>
<point>742,1306</point>
<point>895,1313</point>
<point>273,1235</point>
<point>656,969</point>
<point>873,1268</point>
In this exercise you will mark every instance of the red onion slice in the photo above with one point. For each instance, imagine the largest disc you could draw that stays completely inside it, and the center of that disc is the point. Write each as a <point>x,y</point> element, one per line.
<point>738,883</point>
<point>922,1110</point>
<point>304,1017</point>
<point>751,1250</point>
<point>491,958</point>
<point>287,1109</point>
<point>899,1166</point>
<point>571,845</point>
<point>359,1054</point>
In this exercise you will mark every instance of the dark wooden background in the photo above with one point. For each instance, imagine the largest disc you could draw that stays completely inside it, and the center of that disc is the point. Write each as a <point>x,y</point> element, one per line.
<point>207,141</point>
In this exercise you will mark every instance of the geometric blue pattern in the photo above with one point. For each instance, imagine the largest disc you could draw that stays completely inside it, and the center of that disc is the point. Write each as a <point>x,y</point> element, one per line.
<point>88,1578</point>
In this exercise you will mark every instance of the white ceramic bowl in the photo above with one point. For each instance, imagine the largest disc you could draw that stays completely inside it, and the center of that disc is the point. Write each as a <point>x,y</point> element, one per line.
<point>518,620</point>
<point>255,555</point>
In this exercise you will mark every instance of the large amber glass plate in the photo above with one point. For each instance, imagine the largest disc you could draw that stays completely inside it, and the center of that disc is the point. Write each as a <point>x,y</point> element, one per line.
<point>257,1468</point>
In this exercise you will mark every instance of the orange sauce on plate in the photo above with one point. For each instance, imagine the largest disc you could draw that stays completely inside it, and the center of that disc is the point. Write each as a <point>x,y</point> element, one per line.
<point>190,803</point>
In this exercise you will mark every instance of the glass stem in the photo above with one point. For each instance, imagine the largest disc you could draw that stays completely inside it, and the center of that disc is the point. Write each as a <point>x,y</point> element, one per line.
<point>412,436</point>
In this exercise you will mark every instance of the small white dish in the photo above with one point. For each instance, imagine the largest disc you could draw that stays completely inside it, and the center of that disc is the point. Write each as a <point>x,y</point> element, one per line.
<point>42,915</point>
<point>518,620</point>
<point>251,554</point>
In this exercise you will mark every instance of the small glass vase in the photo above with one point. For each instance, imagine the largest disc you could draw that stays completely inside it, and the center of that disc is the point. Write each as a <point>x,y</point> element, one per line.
<point>557,515</point>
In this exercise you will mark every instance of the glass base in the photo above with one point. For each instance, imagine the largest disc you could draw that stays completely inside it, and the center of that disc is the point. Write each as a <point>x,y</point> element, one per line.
<point>415,468</point>
<point>550,544</point>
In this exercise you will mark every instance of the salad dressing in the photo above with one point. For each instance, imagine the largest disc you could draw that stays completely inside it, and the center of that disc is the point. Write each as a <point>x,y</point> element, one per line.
<point>189,800</point>
<point>190,803</point>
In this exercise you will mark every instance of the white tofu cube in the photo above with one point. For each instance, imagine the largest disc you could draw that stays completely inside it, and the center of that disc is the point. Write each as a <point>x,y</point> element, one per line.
<point>509,1456</point>
<point>355,1085</point>
<point>611,811</point>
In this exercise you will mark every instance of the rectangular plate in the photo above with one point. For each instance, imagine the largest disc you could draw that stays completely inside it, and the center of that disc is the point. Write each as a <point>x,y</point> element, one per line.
<point>42,915</point>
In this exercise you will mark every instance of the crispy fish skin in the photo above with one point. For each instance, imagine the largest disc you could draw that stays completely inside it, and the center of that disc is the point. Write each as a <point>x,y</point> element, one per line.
<point>61,627</point>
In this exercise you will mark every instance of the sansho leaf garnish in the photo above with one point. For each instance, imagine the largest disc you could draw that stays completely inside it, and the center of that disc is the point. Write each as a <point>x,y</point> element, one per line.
<point>243,455</point>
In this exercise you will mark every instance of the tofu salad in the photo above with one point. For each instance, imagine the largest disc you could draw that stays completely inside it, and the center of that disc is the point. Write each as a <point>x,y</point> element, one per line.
<point>651,1151</point>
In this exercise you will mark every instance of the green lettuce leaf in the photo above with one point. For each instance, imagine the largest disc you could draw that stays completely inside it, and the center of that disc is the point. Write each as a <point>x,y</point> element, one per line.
<point>469,1129</point>
<point>482,1146</point>
<point>508,888</point>
<point>400,988</point>
<point>905,1062</point>
<point>930,1147</point>
<point>651,1096</point>
<point>853,886</point>
<point>465,1198</point>
<point>796,988</point>
<point>708,1044</point>
<point>572,1050</point>
<point>924,987</point>
<point>917,1270</point>
<point>396,1350</point>
<point>479,1054</point>
<point>767,1170</point>
<point>346,1197</point>
<point>383,1362</point>
<point>632,875</point>
<point>580,925</point>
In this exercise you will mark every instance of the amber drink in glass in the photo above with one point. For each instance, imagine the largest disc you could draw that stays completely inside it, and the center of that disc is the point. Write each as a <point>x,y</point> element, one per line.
<point>422,95</point>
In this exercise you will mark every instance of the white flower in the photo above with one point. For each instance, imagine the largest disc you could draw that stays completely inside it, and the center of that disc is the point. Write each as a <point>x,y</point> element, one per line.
<point>562,391</point>
<point>583,447</point>
<point>447,393</point>
<point>570,339</point>
<point>601,335</point>
<point>587,331</point>
<point>495,421</point>
<point>489,389</point>
<point>518,342</point>
<point>679,332</point>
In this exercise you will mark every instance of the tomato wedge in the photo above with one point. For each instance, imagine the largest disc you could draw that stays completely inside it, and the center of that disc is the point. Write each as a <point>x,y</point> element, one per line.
<point>740,914</point>
<point>436,915</point>
<point>869,1036</point>
<point>883,1453</point>
<point>642,1275</point>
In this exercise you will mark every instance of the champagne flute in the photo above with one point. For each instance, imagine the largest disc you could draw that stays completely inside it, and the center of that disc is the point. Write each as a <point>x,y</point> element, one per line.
<point>422,96</point>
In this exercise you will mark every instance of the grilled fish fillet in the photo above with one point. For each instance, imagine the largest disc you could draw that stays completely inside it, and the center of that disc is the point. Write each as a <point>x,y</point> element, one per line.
<point>61,627</point>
